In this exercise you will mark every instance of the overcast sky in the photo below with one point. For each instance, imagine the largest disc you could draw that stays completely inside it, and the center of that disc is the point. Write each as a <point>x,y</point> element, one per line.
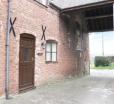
<point>96,43</point>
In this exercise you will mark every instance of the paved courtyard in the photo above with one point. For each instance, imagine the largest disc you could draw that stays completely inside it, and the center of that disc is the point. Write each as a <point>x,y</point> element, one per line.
<point>95,89</point>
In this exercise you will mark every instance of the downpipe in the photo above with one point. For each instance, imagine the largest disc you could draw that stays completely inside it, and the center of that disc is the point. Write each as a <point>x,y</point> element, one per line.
<point>7,69</point>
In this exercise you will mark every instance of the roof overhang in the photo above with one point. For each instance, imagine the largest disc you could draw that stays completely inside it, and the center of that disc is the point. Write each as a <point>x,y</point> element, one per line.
<point>74,8</point>
<point>98,16</point>
<point>100,19</point>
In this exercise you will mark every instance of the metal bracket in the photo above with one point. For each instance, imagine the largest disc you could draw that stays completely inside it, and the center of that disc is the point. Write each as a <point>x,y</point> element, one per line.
<point>43,30</point>
<point>12,28</point>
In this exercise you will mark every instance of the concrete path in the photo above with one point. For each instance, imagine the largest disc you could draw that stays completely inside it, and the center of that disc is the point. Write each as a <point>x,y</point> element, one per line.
<point>95,89</point>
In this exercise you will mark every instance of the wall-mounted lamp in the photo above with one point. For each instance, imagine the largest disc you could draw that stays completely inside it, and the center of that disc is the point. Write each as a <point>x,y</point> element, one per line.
<point>43,44</point>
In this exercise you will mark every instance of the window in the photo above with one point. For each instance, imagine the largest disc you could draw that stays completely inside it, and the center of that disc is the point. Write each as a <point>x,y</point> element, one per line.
<point>44,2</point>
<point>51,51</point>
<point>26,54</point>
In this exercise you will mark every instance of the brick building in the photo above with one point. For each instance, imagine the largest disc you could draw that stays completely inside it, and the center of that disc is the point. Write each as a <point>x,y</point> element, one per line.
<point>51,41</point>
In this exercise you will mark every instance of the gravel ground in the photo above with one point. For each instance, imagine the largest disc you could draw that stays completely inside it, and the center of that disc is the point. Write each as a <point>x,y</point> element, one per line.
<point>95,89</point>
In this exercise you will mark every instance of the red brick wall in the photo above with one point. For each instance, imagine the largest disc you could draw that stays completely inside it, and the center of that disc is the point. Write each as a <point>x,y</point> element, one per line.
<point>30,17</point>
<point>3,18</point>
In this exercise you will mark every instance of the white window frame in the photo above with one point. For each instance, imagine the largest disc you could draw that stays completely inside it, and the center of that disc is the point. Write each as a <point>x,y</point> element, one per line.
<point>51,52</point>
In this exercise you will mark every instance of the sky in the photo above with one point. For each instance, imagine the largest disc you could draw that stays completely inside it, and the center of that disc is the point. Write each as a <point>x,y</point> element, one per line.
<point>95,43</point>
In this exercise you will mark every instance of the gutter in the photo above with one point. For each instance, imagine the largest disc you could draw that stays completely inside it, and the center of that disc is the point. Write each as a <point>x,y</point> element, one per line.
<point>7,69</point>
<point>53,5</point>
<point>86,6</point>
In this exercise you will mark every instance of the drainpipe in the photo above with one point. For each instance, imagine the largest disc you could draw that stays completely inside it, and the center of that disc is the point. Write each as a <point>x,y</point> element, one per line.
<point>7,70</point>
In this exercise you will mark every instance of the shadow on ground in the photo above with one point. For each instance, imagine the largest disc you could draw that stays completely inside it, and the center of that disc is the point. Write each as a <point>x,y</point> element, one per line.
<point>95,89</point>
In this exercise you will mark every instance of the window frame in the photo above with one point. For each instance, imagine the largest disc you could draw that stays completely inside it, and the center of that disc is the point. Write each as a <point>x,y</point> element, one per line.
<point>51,42</point>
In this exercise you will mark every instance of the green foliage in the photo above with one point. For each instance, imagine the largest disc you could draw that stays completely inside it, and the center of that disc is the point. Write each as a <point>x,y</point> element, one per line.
<point>111,67</point>
<point>102,61</point>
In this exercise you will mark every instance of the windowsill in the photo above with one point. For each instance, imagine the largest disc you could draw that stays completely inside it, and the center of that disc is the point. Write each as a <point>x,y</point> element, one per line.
<point>41,4</point>
<point>51,62</point>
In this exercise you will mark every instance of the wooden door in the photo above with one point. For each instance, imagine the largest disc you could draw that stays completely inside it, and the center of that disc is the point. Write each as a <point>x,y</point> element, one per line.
<point>26,62</point>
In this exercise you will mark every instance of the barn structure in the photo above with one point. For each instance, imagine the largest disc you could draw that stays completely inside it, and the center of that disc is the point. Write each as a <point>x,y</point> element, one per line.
<point>43,40</point>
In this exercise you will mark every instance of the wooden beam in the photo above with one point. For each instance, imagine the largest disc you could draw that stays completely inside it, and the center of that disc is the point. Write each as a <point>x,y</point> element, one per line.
<point>113,16</point>
<point>97,17</point>
<point>87,6</point>
<point>103,30</point>
<point>92,25</point>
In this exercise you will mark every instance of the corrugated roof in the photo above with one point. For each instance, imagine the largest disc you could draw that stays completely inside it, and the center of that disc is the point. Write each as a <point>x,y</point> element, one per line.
<point>71,3</point>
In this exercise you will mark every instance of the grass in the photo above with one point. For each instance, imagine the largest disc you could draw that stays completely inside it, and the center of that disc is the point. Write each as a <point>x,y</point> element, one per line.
<point>103,68</point>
